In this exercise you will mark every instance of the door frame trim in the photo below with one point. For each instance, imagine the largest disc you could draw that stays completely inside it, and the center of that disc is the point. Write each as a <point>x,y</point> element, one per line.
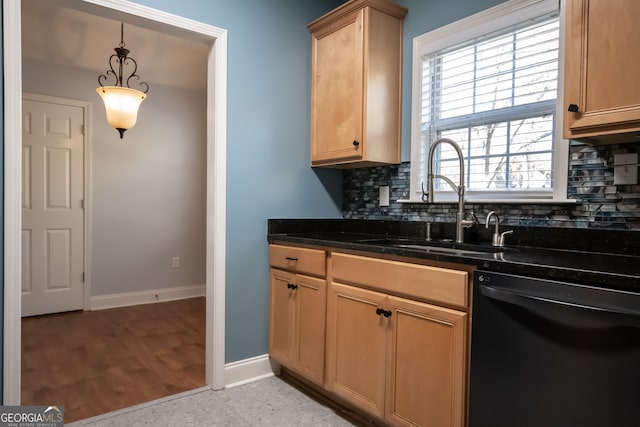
<point>87,179</point>
<point>216,183</point>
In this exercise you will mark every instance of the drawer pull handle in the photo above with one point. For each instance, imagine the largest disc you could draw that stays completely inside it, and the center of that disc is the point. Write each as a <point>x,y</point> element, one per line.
<point>385,313</point>
<point>292,286</point>
<point>291,259</point>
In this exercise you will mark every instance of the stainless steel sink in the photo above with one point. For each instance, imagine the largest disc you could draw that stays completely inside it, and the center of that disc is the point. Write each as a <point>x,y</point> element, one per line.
<point>435,246</point>
<point>443,250</point>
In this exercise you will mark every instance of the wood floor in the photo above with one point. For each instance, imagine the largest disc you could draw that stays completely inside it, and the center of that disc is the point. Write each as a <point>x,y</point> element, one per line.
<point>100,361</point>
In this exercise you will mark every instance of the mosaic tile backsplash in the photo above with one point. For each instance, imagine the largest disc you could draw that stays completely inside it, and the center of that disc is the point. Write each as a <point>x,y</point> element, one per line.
<point>602,204</point>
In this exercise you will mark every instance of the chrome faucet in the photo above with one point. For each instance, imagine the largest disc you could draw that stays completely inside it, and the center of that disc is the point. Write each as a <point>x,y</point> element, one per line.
<point>498,239</point>
<point>461,222</point>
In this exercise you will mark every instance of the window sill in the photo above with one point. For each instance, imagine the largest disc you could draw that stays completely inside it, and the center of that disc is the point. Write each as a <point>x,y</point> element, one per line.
<point>499,201</point>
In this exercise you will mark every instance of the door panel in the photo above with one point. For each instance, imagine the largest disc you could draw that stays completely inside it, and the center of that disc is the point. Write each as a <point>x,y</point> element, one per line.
<point>338,91</point>
<point>310,321</point>
<point>600,76</point>
<point>52,211</point>
<point>58,178</point>
<point>26,177</point>
<point>58,259</point>
<point>426,381</point>
<point>281,307</point>
<point>26,261</point>
<point>356,351</point>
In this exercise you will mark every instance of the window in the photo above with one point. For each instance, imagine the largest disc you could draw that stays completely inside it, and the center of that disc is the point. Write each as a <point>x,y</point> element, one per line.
<point>490,83</point>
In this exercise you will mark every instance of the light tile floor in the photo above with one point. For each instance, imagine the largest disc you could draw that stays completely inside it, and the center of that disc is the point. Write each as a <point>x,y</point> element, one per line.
<point>267,402</point>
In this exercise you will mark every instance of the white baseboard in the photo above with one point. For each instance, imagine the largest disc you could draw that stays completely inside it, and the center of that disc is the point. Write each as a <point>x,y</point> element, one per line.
<point>249,370</point>
<point>102,302</point>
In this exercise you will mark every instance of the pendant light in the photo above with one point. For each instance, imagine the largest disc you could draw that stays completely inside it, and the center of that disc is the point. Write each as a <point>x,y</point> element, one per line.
<point>121,102</point>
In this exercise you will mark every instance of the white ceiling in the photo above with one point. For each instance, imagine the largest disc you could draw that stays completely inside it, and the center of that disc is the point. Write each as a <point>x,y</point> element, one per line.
<point>71,33</point>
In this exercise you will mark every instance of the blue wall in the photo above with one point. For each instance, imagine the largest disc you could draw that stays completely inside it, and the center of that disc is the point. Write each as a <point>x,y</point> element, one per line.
<point>268,134</point>
<point>268,173</point>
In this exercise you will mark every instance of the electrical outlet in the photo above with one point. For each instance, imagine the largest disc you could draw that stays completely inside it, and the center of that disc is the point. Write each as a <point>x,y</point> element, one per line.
<point>625,169</point>
<point>175,262</point>
<point>384,195</point>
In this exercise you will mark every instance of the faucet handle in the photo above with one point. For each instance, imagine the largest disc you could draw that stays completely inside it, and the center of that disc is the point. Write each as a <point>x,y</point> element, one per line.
<point>466,223</point>
<point>498,239</point>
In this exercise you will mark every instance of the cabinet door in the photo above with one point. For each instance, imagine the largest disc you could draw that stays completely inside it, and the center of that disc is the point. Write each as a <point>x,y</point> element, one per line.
<point>601,69</point>
<point>356,346</point>
<point>310,300</point>
<point>427,365</point>
<point>337,91</point>
<point>281,316</point>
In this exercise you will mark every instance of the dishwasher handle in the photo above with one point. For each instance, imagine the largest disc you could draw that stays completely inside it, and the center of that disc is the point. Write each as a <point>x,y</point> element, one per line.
<point>571,313</point>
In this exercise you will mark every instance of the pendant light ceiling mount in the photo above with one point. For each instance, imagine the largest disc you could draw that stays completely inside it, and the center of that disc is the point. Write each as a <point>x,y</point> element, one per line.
<point>121,101</point>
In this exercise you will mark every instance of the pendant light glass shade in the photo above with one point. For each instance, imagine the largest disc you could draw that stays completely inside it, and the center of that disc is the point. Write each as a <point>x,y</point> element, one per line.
<point>121,105</point>
<point>122,102</point>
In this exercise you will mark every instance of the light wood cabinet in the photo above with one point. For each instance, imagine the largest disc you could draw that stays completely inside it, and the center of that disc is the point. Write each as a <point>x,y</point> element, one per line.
<point>299,260</point>
<point>356,346</point>
<point>435,284</point>
<point>402,360</point>
<point>426,366</point>
<point>297,311</point>
<point>601,90</point>
<point>356,84</point>
<point>388,336</point>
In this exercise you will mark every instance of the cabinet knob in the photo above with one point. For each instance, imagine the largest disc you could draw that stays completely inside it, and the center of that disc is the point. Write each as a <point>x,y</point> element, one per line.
<point>387,313</point>
<point>292,286</point>
<point>379,311</point>
<point>356,143</point>
<point>573,108</point>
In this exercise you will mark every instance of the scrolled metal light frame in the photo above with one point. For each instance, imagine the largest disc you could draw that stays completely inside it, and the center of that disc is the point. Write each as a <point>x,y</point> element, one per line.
<point>122,58</point>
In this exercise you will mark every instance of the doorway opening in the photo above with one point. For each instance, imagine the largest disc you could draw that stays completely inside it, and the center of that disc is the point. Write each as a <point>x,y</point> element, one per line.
<point>215,181</point>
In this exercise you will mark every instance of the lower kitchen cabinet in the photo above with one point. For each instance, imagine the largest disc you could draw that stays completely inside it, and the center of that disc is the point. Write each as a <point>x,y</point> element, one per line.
<point>426,365</point>
<point>398,359</point>
<point>388,336</point>
<point>357,346</point>
<point>297,323</point>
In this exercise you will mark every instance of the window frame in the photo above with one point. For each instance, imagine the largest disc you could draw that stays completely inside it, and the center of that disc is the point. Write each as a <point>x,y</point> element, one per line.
<point>488,22</point>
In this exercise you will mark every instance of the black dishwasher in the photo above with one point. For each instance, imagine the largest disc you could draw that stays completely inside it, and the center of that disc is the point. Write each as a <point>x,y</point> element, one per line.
<point>547,353</point>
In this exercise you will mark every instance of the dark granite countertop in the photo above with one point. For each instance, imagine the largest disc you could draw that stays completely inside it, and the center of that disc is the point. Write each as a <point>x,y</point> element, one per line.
<point>593,257</point>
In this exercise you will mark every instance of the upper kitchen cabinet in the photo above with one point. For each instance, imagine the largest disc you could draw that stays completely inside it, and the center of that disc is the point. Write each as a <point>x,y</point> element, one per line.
<point>356,84</point>
<point>601,89</point>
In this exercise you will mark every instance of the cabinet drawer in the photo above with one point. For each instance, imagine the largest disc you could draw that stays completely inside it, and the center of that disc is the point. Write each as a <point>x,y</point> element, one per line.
<point>301,260</point>
<point>413,280</point>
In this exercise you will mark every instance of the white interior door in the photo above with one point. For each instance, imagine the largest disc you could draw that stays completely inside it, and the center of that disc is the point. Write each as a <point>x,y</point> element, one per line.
<point>52,207</point>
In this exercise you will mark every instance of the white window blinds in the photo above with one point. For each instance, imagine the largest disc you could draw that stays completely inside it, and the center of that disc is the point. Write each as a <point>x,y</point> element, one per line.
<point>496,97</point>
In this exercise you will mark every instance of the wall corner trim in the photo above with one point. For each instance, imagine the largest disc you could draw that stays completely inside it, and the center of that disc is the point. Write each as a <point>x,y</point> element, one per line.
<point>249,370</point>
